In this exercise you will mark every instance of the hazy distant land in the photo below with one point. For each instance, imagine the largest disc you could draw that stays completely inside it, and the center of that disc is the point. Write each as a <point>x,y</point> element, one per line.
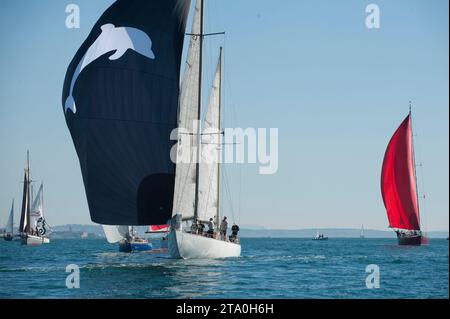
<point>248,231</point>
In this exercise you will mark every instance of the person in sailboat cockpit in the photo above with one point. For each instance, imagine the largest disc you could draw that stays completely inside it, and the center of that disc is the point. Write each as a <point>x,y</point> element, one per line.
<point>211,228</point>
<point>223,229</point>
<point>194,228</point>
<point>201,228</point>
<point>234,233</point>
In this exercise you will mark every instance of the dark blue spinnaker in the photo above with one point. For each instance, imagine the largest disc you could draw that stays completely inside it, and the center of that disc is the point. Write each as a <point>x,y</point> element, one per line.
<point>120,101</point>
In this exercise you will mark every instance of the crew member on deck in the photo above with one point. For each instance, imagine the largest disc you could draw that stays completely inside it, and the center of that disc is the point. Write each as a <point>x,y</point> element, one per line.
<point>211,228</point>
<point>201,228</point>
<point>234,232</point>
<point>223,229</point>
<point>194,228</point>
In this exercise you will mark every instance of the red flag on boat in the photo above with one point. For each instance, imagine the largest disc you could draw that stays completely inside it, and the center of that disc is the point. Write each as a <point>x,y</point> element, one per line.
<point>398,180</point>
<point>158,228</point>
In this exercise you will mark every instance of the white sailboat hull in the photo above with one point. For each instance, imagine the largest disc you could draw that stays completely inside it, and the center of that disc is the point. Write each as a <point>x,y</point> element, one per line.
<point>34,240</point>
<point>188,246</point>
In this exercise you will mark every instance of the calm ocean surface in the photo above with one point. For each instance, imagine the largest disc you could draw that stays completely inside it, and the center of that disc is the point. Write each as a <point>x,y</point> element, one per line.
<point>268,268</point>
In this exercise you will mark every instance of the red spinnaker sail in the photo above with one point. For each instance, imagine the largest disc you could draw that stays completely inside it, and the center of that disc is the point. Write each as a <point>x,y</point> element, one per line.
<point>398,184</point>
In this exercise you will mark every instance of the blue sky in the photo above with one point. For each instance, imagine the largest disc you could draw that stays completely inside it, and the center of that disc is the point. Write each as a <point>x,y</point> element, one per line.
<point>335,90</point>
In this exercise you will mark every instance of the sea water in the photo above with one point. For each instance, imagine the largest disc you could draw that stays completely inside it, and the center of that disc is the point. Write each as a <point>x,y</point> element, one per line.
<point>268,268</point>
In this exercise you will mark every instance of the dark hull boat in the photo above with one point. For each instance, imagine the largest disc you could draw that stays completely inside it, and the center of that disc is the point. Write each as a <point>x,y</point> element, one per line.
<point>127,237</point>
<point>320,237</point>
<point>134,246</point>
<point>399,186</point>
<point>405,240</point>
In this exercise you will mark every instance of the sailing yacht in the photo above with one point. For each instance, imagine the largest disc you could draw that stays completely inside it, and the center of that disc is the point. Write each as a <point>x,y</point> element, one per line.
<point>162,233</point>
<point>198,187</point>
<point>362,232</point>
<point>122,105</point>
<point>127,238</point>
<point>399,185</point>
<point>33,227</point>
<point>10,224</point>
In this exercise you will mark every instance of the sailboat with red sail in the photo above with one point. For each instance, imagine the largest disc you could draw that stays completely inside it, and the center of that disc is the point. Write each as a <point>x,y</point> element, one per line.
<point>399,186</point>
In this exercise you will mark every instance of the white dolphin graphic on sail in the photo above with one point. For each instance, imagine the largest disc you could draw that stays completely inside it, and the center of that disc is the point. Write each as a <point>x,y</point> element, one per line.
<point>111,39</point>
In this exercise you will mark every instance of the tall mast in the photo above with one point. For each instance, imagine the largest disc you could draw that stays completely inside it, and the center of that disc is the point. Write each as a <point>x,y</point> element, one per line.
<point>197,164</point>
<point>219,158</point>
<point>12,216</point>
<point>28,181</point>
<point>42,199</point>
<point>414,159</point>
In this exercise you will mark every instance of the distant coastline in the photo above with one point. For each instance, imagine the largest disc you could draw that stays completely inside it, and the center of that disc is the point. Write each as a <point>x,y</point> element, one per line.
<point>95,231</point>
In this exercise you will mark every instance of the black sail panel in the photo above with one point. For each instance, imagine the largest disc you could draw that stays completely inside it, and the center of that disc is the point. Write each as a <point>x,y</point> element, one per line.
<point>24,226</point>
<point>120,101</point>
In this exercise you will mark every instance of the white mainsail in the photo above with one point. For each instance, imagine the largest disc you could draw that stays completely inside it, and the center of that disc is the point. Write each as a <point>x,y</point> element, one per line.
<point>114,234</point>
<point>209,177</point>
<point>37,220</point>
<point>191,200</point>
<point>185,178</point>
<point>10,223</point>
<point>37,207</point>
<point>32,224</point>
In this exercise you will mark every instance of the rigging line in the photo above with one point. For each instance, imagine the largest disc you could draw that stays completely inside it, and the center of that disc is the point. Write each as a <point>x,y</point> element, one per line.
<point>189,95</point>
<point>422,182</point>
<point>212,172</point>
<point>206,204</point>
<point>240,193</point>
<point>228,89</point>
<point>228,192</point>
<point>204,34</point>
<point>208,80</point>
<point>234,118</point>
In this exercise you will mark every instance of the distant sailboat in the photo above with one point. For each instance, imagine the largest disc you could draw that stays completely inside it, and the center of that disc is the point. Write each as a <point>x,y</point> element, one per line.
<point>33,227</point>
<point>10,224</point>
<point>362,232</point>
<point>399,186</point>
<point>127,238</point>
<point>162,231</point>
<point>320,236</point>
<point>197,187</point>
